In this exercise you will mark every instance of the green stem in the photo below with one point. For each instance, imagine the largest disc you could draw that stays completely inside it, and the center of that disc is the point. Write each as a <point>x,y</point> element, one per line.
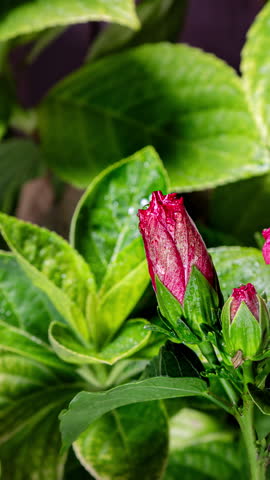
<point>256,465</point>
<point>209,353</point>
<point>246,423</point>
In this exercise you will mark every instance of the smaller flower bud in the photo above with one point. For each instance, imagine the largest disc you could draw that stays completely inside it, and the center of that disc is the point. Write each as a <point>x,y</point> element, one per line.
<point>245,321</point>
<point>266,247</point>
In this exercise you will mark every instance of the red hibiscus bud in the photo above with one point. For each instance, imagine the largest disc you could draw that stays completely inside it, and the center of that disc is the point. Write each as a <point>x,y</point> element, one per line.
<point>173,244</point>
<point>266,247</point>
<point>247,294</point>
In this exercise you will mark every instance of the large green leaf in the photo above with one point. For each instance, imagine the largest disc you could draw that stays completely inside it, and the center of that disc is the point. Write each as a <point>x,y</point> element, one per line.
<point>21,376</point>
<point>119,446</point>
<point>255,67</point>
<point>105,232</point>
<point>86,407</point>
<point>22,304</point>
<point>20,160</point>
<point>160,20</point>
<point>107,213</point>
<point>38,456</point>
<point>29,435</point>
<point>31,396</point>
<point>19,17</point>
<point>186,103</point>
<point>241,265</point>
<point>53,266</point>
<point>129,340</point>
<point>15,340</point>
<point>203,448</point>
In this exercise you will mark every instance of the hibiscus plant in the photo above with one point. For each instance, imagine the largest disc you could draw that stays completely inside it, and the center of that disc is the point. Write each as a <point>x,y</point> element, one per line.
<point>72,333</point>
<point>133,350</point>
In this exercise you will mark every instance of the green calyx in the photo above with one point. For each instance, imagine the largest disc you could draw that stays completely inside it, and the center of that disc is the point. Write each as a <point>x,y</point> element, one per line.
<point>198,314</point>
<point>201,304</point>
<point>245,337</point>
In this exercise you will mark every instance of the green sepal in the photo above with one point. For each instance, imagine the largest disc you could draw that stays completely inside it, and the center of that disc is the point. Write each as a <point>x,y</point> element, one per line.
<point>169,306</point>
<point>245,332</point>
<point>170,310</point>
<point>201,303</point>
<point>184,332</point>
<point>226,320</point>
<point>191,323</point>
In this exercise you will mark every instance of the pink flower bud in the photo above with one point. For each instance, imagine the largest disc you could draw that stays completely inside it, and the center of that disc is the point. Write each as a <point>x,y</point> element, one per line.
<point>266,247</point>
<point>173,244</point>
<point>248,295</point>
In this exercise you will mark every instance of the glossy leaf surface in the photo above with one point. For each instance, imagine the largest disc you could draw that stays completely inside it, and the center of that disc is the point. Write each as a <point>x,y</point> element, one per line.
<point>189,105</point>
<point>240,265</point>
<point>53,266</point>
<point>86,407</point>
<point>130,339</point>
<point>19,18</point>
<point>105,232</point>
<point>255,67</point>
<point>202,448</point>
<point>126,442</point>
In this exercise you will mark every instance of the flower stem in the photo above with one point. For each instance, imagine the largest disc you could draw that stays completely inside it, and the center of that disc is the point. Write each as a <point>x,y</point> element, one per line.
<point>209,353</point>
<point>256,465</point>
<point>246,422</point>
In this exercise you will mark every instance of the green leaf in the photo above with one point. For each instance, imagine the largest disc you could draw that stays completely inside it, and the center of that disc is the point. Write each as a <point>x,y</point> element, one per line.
<point>170,307</point>
<point>261,398</point>
<point>201,447</point>
<point>189,105</point>
<point>159,21</point>
<point>20,161</point>
<point>41,451</point>
<point>255,67</point>
<point>22,305</point>
<point>174,360</point>
<point>119,446</point>
<point>241,265</point>
<point>129,340</point>
<point>241,209</point>
<point>53,266</point>
<point>29,430</point>
<point>86,407</point>
<point>21,376</point>
<point>107,213</point>
<point>105,232</point>
<point>31,396</point>
<point>201,302</point>
<point>20,18</point>
<point>15,340</point>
